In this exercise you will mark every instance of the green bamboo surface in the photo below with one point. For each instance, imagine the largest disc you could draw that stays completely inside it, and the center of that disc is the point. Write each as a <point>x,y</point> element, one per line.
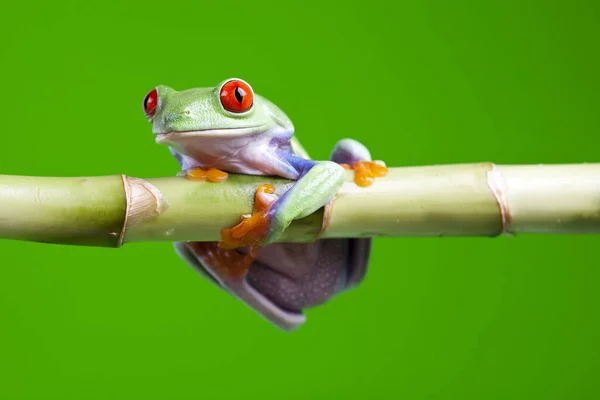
<point>450,200</point>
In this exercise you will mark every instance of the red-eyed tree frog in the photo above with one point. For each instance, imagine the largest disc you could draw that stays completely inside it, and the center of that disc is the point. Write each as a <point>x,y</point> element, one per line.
<point>226,129</point>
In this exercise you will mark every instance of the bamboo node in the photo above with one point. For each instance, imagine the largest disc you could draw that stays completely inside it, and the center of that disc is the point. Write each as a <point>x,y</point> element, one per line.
<point>497,185</point>
<point>144,202</point>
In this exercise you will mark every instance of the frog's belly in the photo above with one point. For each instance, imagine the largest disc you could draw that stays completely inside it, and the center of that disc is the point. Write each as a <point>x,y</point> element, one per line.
<point>237,165</point>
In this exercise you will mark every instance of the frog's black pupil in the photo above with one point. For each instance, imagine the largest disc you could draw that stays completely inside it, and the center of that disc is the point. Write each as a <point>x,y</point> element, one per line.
<point>146,102</point>
<point>239,94</point>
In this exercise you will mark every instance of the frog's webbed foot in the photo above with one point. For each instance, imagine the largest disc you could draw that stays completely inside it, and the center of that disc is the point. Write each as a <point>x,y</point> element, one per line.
<point>210,174</point>
<point>351,154</point>
<point>254,228</point>
<point>227,262</point>
<point>365,172</point>
<point>224,256</point>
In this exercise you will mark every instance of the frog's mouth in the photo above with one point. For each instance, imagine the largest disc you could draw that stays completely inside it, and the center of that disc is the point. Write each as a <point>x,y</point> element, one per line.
<point>174,136</point>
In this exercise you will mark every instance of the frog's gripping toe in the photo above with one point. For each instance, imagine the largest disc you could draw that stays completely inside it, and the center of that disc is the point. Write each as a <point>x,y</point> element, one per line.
<point>365,172</point>
<point>211,174</point>
<point>254,228</point>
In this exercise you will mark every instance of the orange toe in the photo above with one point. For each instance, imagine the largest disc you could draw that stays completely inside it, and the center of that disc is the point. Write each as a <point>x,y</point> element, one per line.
<point>365,172</point>
<point>211,174</point>
<point>231,262</point>
<point>254,228</point>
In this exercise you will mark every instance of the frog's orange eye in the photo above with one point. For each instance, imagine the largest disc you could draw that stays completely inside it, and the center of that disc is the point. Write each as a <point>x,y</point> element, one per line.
<point>236,96</point>
<point>150,102</point>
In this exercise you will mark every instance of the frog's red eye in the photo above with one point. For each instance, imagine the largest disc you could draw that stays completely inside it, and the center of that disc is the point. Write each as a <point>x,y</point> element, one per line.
<point>150,102</point>
<point>236,96</point>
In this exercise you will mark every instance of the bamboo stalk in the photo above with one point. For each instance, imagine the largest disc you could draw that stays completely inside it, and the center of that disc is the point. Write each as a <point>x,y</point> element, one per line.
<point>449,200</point>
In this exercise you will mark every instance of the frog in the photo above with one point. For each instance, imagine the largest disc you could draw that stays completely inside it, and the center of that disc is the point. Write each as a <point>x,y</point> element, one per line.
<point>216,131</point>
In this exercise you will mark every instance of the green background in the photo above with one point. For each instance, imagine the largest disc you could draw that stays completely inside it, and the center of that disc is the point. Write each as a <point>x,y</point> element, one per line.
<point>419,83</point>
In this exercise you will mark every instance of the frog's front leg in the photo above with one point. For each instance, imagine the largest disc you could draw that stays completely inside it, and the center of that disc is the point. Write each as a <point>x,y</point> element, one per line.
<point>317,184</point>
<point>352,154</point>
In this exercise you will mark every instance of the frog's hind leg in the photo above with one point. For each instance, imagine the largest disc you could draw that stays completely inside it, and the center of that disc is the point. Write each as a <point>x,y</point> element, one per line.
<point>207,259</point>
<point>352,154</point>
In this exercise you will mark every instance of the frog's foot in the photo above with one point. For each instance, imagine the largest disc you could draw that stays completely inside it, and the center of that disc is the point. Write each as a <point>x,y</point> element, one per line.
<point>211,174</point>
<point>229,262</point>
<point>352,154</point>
<point>365,172</point>
<point>254,228</point>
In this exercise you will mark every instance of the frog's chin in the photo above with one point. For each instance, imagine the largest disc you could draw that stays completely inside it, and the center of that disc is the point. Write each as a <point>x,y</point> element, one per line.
<point>174,136</point>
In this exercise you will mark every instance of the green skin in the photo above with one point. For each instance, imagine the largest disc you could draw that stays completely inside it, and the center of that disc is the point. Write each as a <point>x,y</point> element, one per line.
<point>285,278</point>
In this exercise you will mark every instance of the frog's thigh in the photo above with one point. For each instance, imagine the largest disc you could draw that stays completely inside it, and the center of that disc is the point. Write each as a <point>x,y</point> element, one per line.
<point>349,151</point>
<point>239,287</point>
<point>297,276</point>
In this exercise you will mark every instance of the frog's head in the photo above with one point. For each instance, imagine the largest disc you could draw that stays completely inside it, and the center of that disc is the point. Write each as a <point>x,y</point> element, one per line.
<point>228,110</point>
